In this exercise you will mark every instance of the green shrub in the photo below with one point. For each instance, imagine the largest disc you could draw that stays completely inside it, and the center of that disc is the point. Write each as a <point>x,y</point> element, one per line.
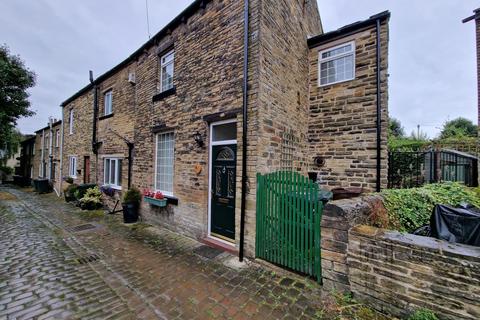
<point>69,180</point>
<point>409,209</point>
<point>132,196</point>
<point>92,199</point>
<point>71,190</point>
<point>6,170</point>
<point>423,314</point>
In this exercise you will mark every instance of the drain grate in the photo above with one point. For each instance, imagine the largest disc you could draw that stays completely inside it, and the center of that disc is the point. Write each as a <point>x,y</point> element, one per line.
<point>89,259</point>
<point>207,252</point>
<point>82,227</point>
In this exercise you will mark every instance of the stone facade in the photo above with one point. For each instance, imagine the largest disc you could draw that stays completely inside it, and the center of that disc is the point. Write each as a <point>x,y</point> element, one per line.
<point>208,41</point>
<point>342,124</point>
<point>397,274</point>
<point>47,155</point>
<point>77,136</point>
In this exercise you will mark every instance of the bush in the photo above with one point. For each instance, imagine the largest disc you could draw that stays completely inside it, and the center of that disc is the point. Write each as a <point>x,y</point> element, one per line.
<point>92,199</point>
<point>69,180</point>
<point>423,314</point>
<point>409,209</point>
<point>6,170</point>
<point>132,196</point>
<point>70,191</point>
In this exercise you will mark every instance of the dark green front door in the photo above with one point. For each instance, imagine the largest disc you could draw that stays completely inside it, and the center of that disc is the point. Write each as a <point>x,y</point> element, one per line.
<point>222,222</point>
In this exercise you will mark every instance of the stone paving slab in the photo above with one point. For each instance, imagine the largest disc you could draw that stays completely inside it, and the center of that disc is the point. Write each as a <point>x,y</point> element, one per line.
<point>133,274</point>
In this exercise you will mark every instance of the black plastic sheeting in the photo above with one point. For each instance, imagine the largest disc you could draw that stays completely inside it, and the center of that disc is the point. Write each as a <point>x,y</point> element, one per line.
<point>458,225</point>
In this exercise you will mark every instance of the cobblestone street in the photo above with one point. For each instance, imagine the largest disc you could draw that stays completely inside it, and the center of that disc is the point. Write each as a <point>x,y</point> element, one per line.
<point>59,262</point>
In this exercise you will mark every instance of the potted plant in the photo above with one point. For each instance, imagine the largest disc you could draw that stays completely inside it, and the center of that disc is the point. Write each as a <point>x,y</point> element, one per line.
<point>154,198</point>
<point>131,205</point>
<point>107,190</point>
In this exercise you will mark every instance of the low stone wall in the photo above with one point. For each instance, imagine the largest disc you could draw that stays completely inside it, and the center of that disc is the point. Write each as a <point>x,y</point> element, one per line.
<point>338,217</point>
<point>398,273</point>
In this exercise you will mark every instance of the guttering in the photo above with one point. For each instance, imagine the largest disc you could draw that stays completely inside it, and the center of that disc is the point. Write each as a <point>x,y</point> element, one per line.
<point>379,108</point>
<point>347,30</point>
<point>95,113</point>
<point>244,132</point>
<point>61,157</point>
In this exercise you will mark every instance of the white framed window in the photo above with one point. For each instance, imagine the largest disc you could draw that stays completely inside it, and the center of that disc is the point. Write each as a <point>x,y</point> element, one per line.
<point>108,102</point>
<point>57,138</point>
<point>337,64</point>
<point>46,141</point>
<point>167,63</point>
<point>112,172</point>
<point>70,121</point>
<point>164,162</point>
<point>72,167</point>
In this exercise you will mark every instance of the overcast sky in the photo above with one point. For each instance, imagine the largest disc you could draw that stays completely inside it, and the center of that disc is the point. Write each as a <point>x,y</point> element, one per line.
<point>432,54</point>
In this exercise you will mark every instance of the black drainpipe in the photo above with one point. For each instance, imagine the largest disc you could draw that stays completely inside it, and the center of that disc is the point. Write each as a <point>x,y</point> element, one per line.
<point>244,133</point>
<point>95,113</point>
<point>130,163</point>
<point>379,109</point>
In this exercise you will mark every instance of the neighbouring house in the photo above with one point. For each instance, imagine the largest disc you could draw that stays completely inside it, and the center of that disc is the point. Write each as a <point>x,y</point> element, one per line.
<point>47,158</point>
<point>170,117</point>
<point>27,156</point>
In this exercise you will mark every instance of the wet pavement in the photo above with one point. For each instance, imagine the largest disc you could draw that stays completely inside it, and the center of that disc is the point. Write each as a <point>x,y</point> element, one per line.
<point>59,262</point>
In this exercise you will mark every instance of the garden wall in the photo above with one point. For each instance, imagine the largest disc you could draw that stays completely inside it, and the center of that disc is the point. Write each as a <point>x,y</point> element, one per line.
<point>397,273</point>
<point>338,217</point>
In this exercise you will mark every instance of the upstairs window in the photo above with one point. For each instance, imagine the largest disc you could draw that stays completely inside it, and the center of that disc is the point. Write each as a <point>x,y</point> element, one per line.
<point>337,64</point>
<point>108,103</point>
<point>57,139</point>
<point>166,71</point>
<point>70,121</point>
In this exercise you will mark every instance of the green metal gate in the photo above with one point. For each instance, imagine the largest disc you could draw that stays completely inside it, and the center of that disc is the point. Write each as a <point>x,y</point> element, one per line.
<point>288,222</point>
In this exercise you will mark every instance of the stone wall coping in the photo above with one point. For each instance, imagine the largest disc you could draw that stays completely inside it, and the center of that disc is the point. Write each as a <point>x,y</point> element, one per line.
<point>443,247</point>
<point>354,211</point>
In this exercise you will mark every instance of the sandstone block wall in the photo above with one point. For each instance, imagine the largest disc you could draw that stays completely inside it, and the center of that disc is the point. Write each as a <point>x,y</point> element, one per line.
<point>398,273</point>
<point>79,143</point>
<point>342,126</point>
<point>208,80</point>
<point>337,219</point>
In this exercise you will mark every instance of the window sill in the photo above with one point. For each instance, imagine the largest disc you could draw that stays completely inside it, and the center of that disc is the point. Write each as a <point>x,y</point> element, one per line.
<point>164,94</point>
<point>106,116</point>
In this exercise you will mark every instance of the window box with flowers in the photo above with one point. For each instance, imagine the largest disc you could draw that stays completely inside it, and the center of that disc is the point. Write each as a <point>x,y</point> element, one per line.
<point>155,198</point>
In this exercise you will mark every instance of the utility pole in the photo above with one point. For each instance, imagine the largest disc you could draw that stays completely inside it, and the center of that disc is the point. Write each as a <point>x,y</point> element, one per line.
<point>418,132</point>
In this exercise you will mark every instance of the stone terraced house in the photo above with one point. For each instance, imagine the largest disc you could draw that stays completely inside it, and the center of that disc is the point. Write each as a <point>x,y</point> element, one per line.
<point>47,154</point>
<point>171,116</point>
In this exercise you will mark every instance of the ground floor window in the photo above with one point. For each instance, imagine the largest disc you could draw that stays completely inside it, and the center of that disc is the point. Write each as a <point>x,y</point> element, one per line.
<point>165,148</point>
<point>113,172</point>
<point>72,168</point>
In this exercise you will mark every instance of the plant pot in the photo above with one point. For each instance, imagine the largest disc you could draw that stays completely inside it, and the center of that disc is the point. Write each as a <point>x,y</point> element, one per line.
<point>130,212</point>
<point>155,202</point>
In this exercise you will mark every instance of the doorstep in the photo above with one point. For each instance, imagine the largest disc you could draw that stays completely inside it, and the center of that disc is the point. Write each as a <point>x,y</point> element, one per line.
<point>219,245</point>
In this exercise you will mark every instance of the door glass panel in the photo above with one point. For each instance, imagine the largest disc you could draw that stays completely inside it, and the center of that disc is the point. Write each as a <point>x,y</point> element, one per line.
<point>226,154</point>
<point>223,132</point>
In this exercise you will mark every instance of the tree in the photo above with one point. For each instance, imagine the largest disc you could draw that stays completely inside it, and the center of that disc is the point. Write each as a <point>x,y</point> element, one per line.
<point>395,128</point>
<point>15,80</point>
<point>457,128</point>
